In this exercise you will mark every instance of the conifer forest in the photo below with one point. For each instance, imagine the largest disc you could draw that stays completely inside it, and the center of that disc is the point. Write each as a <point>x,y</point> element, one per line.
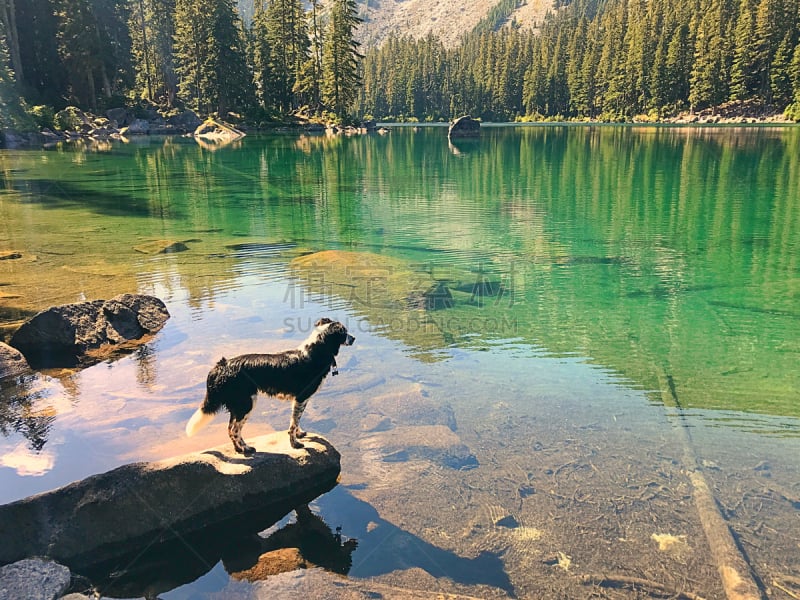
<point>588,59</point>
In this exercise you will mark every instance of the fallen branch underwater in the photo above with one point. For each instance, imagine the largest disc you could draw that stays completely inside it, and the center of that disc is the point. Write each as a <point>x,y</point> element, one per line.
<point>617,581</point>
<point>735,571</point>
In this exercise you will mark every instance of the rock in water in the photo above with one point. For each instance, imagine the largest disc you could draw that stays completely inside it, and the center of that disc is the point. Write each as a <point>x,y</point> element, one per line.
<point>34,579</point>
<point>464,126</point>
<point>87,332</point>
<point>12,363</point>
<point>112,514</point>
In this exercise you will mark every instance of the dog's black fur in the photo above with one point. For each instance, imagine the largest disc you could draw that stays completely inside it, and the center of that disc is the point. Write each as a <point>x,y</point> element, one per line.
<point>290,375</point>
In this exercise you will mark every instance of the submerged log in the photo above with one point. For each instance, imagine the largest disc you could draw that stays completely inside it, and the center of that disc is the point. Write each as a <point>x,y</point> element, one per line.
<point>107,516</point>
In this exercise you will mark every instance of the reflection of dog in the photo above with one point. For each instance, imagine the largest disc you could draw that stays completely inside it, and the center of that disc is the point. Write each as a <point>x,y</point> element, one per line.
<point>290,375</point>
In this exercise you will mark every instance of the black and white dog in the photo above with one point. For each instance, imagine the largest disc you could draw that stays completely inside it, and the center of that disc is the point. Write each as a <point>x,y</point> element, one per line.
<point>290,375</point>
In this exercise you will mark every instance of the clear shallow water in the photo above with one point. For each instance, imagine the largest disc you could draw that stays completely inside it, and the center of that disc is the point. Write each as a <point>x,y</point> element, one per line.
<point>584,284</point>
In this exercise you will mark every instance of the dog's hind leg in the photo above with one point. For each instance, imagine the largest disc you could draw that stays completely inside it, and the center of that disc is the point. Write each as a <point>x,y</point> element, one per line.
<point>235,425</point>
<point>294,425</point>
<point>235,432</point>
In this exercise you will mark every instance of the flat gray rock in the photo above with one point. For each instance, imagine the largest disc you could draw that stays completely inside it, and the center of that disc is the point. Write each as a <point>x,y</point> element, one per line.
<point>33,579</point>
<point>105,516</point>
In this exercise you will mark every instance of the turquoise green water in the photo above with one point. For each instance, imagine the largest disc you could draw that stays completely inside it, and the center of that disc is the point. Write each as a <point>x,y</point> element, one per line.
<point>558,273</point>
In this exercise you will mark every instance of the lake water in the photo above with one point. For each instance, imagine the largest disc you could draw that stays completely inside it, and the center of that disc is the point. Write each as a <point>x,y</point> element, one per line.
<point>554,325</point>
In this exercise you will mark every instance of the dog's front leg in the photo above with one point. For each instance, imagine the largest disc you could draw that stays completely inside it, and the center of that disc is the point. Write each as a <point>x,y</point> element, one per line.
<point>294,425</point>
<point>235,432</point>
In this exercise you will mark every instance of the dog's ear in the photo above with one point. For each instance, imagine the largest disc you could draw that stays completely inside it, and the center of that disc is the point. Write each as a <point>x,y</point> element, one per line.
<point>323,321</point>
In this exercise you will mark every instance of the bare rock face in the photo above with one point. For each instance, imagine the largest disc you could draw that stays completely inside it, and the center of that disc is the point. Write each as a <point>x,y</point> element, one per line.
<point>87,332</point>
<point>110,515</point>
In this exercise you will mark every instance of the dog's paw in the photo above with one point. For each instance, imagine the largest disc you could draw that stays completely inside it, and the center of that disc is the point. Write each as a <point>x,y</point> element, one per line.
<point>300,433</point>
<point>295,444</point>
<point>246,450</point>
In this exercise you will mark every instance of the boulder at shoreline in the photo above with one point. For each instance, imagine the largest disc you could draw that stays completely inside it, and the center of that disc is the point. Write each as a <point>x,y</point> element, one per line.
<point>464,126</point>
<point>87,332</point>
<point>110,515</point>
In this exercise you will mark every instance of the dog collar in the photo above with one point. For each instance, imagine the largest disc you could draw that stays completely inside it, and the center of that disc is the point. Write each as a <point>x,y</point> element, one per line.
<point>334,368</point>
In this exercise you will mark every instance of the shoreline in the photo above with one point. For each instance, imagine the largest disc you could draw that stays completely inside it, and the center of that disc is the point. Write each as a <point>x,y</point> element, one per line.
<point>122,124</point>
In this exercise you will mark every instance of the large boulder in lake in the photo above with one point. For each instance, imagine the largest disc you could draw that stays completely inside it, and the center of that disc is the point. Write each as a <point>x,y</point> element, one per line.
<point>88,332</point>
<point>464,126</point>
<point>123,511</point>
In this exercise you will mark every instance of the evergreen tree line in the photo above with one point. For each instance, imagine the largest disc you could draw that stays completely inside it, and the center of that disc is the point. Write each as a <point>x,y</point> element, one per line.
<point>198,54</point>
<point>599,59</point>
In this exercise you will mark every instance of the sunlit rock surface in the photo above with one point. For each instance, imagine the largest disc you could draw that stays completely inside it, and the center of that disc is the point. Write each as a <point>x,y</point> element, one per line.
<point>111,514</point>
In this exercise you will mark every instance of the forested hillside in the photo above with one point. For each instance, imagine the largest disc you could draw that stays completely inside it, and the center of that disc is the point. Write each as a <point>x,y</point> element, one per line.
<point>606,59</point>
<point>587,59</point>
<point>197,54</point>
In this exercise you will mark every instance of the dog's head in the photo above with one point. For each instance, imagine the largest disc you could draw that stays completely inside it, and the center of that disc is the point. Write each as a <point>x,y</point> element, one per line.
<point>332,335</point>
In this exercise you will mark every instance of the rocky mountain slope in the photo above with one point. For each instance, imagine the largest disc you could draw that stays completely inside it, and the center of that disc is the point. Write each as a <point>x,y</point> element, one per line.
<point>447,19</point>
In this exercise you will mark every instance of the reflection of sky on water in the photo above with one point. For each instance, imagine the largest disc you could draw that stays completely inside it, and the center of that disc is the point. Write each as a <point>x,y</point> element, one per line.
<point>578,284</point>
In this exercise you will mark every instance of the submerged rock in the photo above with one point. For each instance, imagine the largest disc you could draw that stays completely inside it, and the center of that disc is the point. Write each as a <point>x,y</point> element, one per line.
<point>106,516</point>
<point>382,288</point>
<point>34,579</point>
<point>434,443</point>
<point>87,332</point>
<point>161,247</point>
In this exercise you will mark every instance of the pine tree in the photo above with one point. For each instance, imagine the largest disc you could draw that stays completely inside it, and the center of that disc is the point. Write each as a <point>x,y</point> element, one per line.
<point>307,85</point>
<point>8,18</point>
<point>152,29</point>
<point>744,70</point>
<point>9,99</point>
<point>781,75</point>
<point>94,48</point>
<point>210,59</point>
<point>576,78</point>
<point>795,75</point>
<point>340,58</point>
<point>769,28</point>
<point>708,77</point>
<point>281,28</point>
<point>79,50</point>
<point>43,79</point>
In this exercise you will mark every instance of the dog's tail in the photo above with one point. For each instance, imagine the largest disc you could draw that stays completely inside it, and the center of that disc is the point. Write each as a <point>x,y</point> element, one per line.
<point>199,420</point>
